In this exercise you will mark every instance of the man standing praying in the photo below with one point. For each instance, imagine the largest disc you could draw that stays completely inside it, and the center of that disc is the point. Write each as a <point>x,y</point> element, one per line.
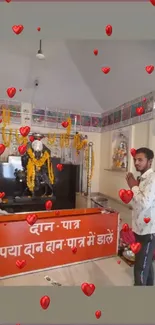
<point>143,218</point>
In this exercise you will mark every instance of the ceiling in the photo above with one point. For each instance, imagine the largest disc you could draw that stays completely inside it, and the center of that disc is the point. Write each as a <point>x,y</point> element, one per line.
<point>70,77</point>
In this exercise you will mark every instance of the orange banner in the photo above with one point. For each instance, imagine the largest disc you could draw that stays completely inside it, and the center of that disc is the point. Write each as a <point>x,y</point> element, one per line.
<point>49,242</point>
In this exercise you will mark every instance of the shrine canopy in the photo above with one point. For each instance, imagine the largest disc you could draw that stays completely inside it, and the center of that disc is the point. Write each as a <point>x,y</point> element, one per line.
<point>71,77</point>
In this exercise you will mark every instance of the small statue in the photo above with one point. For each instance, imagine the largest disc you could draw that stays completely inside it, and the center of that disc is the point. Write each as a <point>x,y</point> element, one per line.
<point>37,168</point>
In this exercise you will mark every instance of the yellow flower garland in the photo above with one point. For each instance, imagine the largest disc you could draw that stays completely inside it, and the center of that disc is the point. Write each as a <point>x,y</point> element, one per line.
<point>6,115</point>
<point>87,165</point>
<point>51,139</point>
<point>34,164</point>
<point>21,140</point>
<point>78,143</point>
<point>6,141</point>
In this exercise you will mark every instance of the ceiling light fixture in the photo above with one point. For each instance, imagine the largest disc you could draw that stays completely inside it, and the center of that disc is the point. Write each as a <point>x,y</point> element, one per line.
<point>40,54</point>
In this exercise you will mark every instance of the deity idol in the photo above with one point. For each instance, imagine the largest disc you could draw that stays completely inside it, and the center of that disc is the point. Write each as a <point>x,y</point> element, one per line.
<point>37,168</point>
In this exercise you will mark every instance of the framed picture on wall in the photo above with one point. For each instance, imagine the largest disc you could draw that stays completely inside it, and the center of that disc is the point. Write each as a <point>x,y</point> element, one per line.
<point>104,120</point>
<point>126,112</point>
<point>51,117</point>
<point>38,116</point>
<point>85,122</point>
<point>96,123</point>
<point>117,116</point>
<point>15,112</point>
<point>111,119</point>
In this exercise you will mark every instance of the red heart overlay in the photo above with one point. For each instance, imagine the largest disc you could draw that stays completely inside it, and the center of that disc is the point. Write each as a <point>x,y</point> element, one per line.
<point>2,148</point>
<point>108,30</point>
<point>48,205</point>
<point>60,167</point>
<point>98,314</point>
<point>22,149</point>
<point>74,250</point>
<point>139,110</point>
<point>133,152</point>
<point>24,131</point>
<point>11,92</point>
<point>125,227</point>
<point>31,219</point>
<point>20,264</point>
<point>17,29</point>
<point>87,288</point>
<point>135,247</point>
<point>106,70</point>
<point>2,194</point>
<point>126,195</point>
<point>44,302</point>
<point>147,219</point>
<point>149,69</point>
<point>65,124</point>
<point>96,52</point>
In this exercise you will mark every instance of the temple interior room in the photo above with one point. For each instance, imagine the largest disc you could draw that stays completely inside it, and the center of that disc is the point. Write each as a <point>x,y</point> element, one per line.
<point>71,114</point>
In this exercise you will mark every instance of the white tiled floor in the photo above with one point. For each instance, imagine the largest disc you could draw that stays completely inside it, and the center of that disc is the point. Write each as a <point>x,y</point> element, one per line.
<point>104,272</point>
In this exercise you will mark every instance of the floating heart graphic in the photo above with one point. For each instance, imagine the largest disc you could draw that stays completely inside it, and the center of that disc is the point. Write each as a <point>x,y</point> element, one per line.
<point>125,227</point>
<point>22,149</point>
<point>38,29</point>
<point>108,30</point>
<point>144,100</point>
<point>65,124</point>
<point>2,148</point>
<point>135,247</point>
<point>20,264</point>
<point>20,89</point>
<point>44,302</point>
<point>149,69</point>
<point>11,92</point>
<point>24,131</point>
<point>60,167</point>
<point>96,52</point>
<point>98,314</point>
<point>118,262</point>
<point>147,219</point>
<point>140,110</point>
<point>2,194</point>
<point>106,70</point>
<point>31,219</point>
<point>153,2</point>
<point>87,288</point>
<point>48,205</point>
<point>17,29</point>
<point>57,213</point>
<point>31,138</point>
<point>74,250</point>
<point>126,195</point>
<point>8,1</point>
<point>133,152</point>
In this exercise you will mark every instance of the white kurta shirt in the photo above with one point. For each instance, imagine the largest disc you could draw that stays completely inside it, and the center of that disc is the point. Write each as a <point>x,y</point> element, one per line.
<point>143,204</point>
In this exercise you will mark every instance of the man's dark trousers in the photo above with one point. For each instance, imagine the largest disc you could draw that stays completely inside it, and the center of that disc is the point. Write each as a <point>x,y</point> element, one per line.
<point>143,268</point>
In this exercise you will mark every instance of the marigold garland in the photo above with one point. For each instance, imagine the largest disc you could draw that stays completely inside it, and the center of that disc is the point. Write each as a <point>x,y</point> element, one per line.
<point>51,138</point>
<point>6,115</point>
<point>6,141</point>
<point>34,164</point>
<point>87,165</point>
<point>20,139</point>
